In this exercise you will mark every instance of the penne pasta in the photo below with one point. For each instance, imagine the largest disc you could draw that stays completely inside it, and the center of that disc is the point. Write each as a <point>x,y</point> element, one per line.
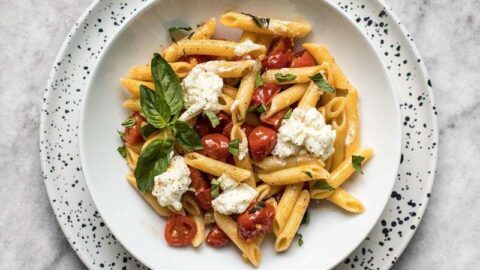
<point>294,175</point>
<point>346,201</point>
<point>262,191</point>
<point>132,157</point>
<point>352,139</point>
<point>229,91</point>
<point>144,72</point>
<point>244,95</point>
<point>285,206</point>
<point>208,218</point>
<point>206,30</point>
<point>286,98</point>
<point>334,107</point>
<point>339,124</point>
<point>215,167</point>
<point>273,191</point>
<point>243,159</point>
<point>132,105</point>
<point>226,103</point>
<point>273,163</point>
<point>133,86</point>
<point>246,35</point>
<point>190,205</point>
<point>200,235</point>
<point>298,75</point>
<point>311,96</point>
<point>265,40</point>
<point>149,198</point>
<point>273,27</point>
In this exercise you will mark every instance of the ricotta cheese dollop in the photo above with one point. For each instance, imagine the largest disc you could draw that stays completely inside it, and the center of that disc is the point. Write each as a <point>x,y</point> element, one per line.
<point>170,185</point>
<point>305,130</point>
<point>236,197</point>
<point>246,47</point>
<point>202,87</point>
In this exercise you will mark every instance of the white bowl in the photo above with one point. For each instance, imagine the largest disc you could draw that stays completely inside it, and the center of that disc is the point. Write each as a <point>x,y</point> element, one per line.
<point>332,234</point>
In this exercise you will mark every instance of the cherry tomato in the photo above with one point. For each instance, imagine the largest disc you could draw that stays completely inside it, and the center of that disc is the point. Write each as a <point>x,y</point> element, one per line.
<point>215,146</point>
<point>180,230</point>
<point>281,45</point>
<point>252,119</point>
<point>277,60</point>
<point>198,58</point>
<point>204,198</point>
<point>198,179</point>
<point>275,120</point>
<point>132,134</point>
<point>217,238</point>
<point>224,120</point>
<point>265,93</point>
<point>303,59</point>
<point>261,142</point>
<point>257,220</point>
<point>246,127</point>
<point>227,129</point>
<point>202,126</point>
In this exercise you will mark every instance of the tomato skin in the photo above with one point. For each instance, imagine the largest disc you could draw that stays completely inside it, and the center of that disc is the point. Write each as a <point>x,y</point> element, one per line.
<point>277,60</point>
<point>257,220</point>
<point>303,59</point>
<point>198,179</point>
<point>199,58</point>
<point>204,198</point>
<point>133,135</point>
<point>275,120</point>
<point>282,45</point>
<point>261,142</point>
<point>247,128</point>
<point>180,230</point>
<point>215,146</point>
<point>202,126</point>
<point>265,93</point>
<point>216,237</point>
<point>224,120</point>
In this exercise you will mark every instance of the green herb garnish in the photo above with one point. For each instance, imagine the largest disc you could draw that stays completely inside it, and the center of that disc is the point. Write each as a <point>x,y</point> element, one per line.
<point>261,109</point>
<point>213,118</point>
<point>306,218</point>
<point>173,31</point>
<point>186,136</point>
<point>261,22</point>
<point>284,77</point>
<point>233,148</point>
<point>215,188</point>
<point>322,185</point>
<point>300,239</point>
<point>257,207</point>
<point>122,151</point>
<point>357,163</point>
<point>147,130</point>
<point>320,81</point>
<point>258,80</point>
<point>309,174</point>
<point>129,122</point>
<point>288,114</point>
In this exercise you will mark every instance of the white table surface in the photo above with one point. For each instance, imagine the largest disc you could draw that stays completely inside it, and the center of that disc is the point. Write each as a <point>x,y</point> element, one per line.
<point>447,33</point>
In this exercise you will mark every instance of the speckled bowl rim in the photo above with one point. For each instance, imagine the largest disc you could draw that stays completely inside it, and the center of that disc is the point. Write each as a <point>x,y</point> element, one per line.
<point>428,183</point>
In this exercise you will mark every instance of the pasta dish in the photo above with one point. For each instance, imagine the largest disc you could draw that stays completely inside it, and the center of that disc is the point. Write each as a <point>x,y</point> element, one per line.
<point>238,137</point>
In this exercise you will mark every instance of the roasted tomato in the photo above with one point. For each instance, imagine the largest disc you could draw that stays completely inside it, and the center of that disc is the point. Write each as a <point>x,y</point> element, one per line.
<point>202,126</point>
<point>202,189</point>
<point>246,127</point>
<point>275,120</point>
<point>261,142</point>
<point>198,179</point>
<point>132,134</point>
<point>257,220</point>
<point>180,230</point>
<point>217,238</point>
<point>303,59</point>
<point>265,93</point>
<point>215,146</point>
<point>281,45</point>
<point>224,120</point>
<point>277,60</point>
<point>204,198</point>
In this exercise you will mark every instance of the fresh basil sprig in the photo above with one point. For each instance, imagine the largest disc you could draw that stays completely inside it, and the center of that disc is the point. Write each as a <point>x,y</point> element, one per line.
<point>320,81</point>
<point>261,22</point>
<point>154,107</point>
<point>186,136</point>
<point>167,84</point>
<point>172,31</point>
<point>122,150</point>
<point>147,130</point>
<point>280,77</point>
<point>357,163</point>
<point>213,118</point>
<point>215,191</point>
<point>322,185</point>
<point>129,122</point>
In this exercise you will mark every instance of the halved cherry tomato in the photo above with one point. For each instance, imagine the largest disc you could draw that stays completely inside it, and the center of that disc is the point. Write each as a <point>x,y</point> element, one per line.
<point>265,93</point>
<point>224,119</point>
<point>204,198</point>
<point>180,230</point>
<point>198,179</point>
<point>277,60</point>
<point>275,120</point>
<point>303,59</point>
<point>246,127</point>
<point>252,119</point>
<point>281,45</point>
<point>132,134</point>
<point>261,142</point>
<point>217,238</point>
<point>215,146</point>
<point>202,126</point>
<point>257,220</point>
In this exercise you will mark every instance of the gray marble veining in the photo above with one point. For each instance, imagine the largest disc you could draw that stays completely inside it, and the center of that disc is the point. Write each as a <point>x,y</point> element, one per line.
<point>447,33</point>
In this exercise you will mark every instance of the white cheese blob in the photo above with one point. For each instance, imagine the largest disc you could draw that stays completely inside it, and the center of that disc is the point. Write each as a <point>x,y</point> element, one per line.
<point>170,185</point>
<point>246,47</point>
<point>202,87</point>
<point>236,197</point>
<point>305,130</point>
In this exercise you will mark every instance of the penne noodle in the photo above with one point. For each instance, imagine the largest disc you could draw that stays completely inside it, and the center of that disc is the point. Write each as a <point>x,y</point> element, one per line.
<point>299,75</point>
<point>132,105</point>
<point>273,163</point>
<point>149,198</point>
<point>286,98</point>
<point>229,227</point>
<point>226,103</point>
<point>246,35</point>
<point>215,167</point>
<point>339,124</point>
<point>273,191</point>
<point>208,218</point>
<point>190,204</point>
<point>132,158</point>
<point>352,139</point>
<point>229,91</point>
<point>206,30</point>
<point>273,27</point>
<point>265,40</point>
<point>334,107</point>
<point>285,206</point>
<point>200,235</point>
<point>284,239</point>
<point>133,86</point>
<point>244,95</point>
<point>346,201</point>
<point>311,96</point>
<point>144,72</point>
<point>294,175</point>
<point>262,191</point>
<point>238,134</point>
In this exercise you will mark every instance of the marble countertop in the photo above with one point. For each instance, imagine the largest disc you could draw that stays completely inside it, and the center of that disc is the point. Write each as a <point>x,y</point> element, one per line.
<point>447,33</point>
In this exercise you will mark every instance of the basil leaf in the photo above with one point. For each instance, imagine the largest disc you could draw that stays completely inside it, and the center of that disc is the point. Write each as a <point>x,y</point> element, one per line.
<point>300,238</point>
<point>288,114</point>
<point>147,130</point>
<point>173,30</point>
<point>215,188</point>
<point>233,148</point>
<point>284,77</point>
<point>357,163</point>
<point>322,185</point>
<point>129,122</point>
<point>213,118</point>
<point>154,107</point>
<point>167,84</point>
<point>308,173</point>
<point>120,133</point>
<point>322,83</point>
<point>257,207</point>
<point>306,218</point>
<point>186,136</point>
<point>258,80</point>
<point>122,151</point>
<point>252,108</point>
<point>153,161</point>
<point>261,22</point>
<point>261,109</point>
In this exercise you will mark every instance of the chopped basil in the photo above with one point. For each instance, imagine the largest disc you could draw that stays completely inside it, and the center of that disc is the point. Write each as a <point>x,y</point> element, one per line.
<point>233,148</point>
<point>357,163</point>
<point>322,185</point>
<point>257,207</point>
<point>322,83</point>
<point>186,136</point>
<point>258,80</point>
<point>173,31</point>
<point>261,22</point>
<point>129,122</point>
<point>122,151</point>
<point>284,77</point>
<point>306,218</point>
<point>147,130</point>
<point>215,188</point>
<point>309,174</point>
<point>261,109</point>
<point>213,118</point>
<point>300,238</point>
<point>252,108</point>
<point>288,114</point>
<point>120,133</point>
